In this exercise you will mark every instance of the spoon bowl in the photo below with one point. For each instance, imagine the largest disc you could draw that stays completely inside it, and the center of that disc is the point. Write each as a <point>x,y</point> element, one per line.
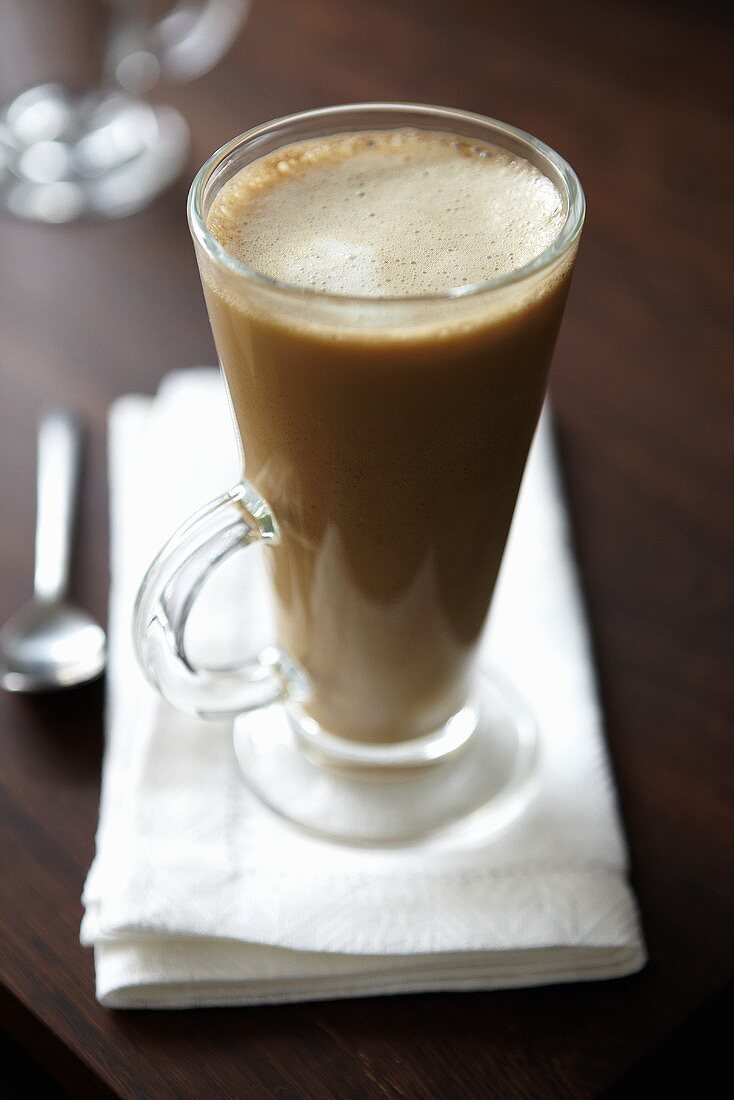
<point>47,646</point>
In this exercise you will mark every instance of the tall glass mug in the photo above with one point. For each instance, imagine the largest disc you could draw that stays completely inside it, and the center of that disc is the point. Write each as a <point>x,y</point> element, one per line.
<point>384,441</point>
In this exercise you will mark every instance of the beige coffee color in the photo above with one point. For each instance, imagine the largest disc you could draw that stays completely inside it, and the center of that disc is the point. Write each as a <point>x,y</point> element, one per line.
<point>390,452</point>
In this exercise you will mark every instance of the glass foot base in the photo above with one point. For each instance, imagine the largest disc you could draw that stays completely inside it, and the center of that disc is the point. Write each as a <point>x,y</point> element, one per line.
<point>64,156</point>
<point>483,778</point>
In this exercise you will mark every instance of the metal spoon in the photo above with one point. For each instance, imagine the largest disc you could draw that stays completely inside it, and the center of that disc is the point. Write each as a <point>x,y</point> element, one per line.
<point>50,643</point>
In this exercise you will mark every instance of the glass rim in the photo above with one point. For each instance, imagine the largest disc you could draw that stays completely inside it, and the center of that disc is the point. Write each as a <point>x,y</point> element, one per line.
<point>561,243</point>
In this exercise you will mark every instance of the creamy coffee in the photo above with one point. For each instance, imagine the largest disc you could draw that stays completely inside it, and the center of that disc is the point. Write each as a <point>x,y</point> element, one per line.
<point>387,214</point>
<point>388,438</point>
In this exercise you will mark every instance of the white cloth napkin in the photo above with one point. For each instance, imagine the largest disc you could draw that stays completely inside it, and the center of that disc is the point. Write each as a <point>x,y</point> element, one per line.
<point>198,896</point>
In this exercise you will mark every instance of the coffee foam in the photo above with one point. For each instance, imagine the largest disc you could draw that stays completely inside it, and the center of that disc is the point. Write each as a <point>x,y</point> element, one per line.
<point>387,214</point>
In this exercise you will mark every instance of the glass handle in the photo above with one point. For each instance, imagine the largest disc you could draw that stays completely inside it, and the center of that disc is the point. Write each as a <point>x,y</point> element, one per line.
<point>166,597</point>
<point>191,39</point>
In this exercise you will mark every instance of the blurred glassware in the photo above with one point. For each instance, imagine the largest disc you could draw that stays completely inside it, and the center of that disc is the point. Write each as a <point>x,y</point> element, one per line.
<point>76,138</point>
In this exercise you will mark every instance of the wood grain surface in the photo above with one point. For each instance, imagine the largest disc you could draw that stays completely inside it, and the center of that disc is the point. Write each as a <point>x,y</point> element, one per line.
<point>635,96</point>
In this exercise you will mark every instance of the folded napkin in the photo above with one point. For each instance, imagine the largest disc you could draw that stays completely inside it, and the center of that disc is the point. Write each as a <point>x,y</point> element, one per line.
<point>199,896</point>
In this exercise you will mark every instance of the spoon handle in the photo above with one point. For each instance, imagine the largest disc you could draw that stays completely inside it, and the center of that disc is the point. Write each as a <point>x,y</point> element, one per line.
<point>58,469</point>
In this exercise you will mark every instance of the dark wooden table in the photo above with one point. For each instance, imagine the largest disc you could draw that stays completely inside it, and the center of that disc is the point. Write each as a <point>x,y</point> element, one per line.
<point>633,94</point>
